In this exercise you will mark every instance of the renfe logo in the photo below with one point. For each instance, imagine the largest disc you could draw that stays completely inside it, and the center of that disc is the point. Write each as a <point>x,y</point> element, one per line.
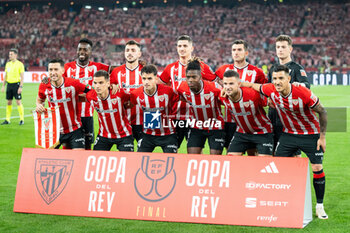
<point>51,177</point>
<point>152,120</point>
<point>267,218</point>
<point>271,168</point>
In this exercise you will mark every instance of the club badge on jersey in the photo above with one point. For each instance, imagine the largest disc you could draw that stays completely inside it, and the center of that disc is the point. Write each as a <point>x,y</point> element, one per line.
<point>47,128</point>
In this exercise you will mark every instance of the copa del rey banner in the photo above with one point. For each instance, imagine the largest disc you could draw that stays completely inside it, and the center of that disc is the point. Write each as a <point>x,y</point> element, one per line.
<point>256,191</point>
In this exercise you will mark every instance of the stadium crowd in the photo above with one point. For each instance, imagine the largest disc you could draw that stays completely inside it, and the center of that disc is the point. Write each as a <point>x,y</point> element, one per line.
<point>42,33</point>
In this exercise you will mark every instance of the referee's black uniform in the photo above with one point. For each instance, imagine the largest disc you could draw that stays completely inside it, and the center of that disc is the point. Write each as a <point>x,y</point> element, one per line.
<point>297,74</point>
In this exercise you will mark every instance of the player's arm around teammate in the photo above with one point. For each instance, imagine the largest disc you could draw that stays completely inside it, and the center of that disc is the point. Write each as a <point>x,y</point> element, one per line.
<point>246,106</point>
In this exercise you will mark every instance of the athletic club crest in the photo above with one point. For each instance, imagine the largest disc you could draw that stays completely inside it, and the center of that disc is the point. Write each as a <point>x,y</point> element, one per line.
<point>250,72</point>
<point>246,104</point>
<point>156,178</point>
<point>90,68</point>
<point>207,96</point>
<point>114,101</point>
<point>68,89</point>
<point>51,177</point>
<point>47,123</point>
<point>295,102</point>
<point>161,98</point>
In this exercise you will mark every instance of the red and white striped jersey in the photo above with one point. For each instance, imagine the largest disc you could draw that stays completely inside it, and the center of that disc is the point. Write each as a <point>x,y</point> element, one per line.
<point>248,112</point>
<point>161,102</point>
<point>66,97</point>
<point>175,73</point>
<point>85,75</point>
<point>112,118</point>
<point>205,106</point>
<point>295,110</point>
<point>249,73</point>
<point>129,80</point>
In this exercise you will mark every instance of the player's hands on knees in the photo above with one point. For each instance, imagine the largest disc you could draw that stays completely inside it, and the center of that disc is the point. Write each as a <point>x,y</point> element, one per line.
<point>115,88</point>
<point>321,143</point>
<point>40,108</point>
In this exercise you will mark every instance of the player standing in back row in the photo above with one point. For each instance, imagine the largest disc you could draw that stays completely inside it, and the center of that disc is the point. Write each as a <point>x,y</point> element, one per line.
<point>298,76</point>
<point>247,73</point>
<point>175,73</point>
<point>83,69</point>
<point>128,77</point>
<point>302,130</point>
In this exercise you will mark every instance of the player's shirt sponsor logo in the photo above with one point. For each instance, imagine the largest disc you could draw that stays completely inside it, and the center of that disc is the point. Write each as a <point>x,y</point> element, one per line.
<point>52,100</point>
<point>134,86</point>
<point>51,177</point>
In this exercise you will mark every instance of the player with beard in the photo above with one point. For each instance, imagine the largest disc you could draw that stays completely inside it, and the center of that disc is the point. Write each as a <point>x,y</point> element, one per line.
<point>298,76</point>
<point>247,73</point>
<point>302,130</point>
<point>63,92</point>
<point>128,77</point>
<point>246,106</point>
<point>205,111</point>
<point>156,102</point>
<point>113,122</point>
<point>83,69</point>
<point>175,73</point>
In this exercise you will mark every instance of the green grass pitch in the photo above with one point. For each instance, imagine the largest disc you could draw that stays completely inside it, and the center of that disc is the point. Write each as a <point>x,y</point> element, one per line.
<point>14,137</point>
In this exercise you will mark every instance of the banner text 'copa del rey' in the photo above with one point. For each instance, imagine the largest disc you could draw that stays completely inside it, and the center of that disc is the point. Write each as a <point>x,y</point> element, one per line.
<point>253,191</point>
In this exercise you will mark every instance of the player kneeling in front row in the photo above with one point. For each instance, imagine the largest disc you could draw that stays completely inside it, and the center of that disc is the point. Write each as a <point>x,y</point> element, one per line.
<point>114,127</point>
<point>157,103</point>
<point>246,106</point>
<point>302,130</point>
<point>63,92</point>
<point>206,119</point>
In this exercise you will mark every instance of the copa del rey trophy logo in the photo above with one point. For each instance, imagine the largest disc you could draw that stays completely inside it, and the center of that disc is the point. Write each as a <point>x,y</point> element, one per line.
<point>51,177</point>
<point>156,179</point>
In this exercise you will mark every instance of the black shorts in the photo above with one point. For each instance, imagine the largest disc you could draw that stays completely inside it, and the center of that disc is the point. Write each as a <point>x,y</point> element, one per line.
<point>197,138</point>
<point>147,143</point>
<point>277,132</point>
<point>88,129</point>
<point>11,91</point>
<point>123,144</point>
<point>137,132</point>
<point>262,142</point>
<point>230,129</point>
<point>181,132</point>
<point>290,143</point>
<point>73,140</point>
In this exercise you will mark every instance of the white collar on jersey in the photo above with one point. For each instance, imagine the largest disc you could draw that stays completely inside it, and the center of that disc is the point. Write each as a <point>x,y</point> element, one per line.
<point>81,65</point>
<point>241,68</point>
<point>132,69</point>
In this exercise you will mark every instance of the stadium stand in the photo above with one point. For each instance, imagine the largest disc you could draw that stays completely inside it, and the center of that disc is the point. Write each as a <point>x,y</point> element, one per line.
<point>44,32</point>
